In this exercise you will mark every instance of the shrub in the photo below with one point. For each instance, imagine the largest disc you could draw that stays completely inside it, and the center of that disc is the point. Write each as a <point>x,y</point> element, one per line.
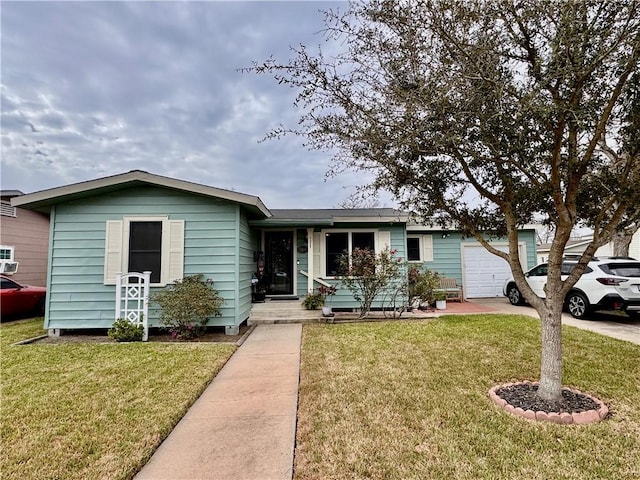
<point>367,274</point>
<point>125,331</point>
<point>440,295</point>
<point>423,284</point>
<point>313,301</point>
<point>187,304</point>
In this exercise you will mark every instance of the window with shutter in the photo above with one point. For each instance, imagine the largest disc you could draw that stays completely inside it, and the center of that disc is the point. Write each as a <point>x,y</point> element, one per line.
<point>420,248</point>
<point>139,244</point>
<point>145,249</point>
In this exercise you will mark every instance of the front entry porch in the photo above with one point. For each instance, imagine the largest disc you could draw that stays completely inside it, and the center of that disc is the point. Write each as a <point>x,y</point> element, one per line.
<point>283,311</point>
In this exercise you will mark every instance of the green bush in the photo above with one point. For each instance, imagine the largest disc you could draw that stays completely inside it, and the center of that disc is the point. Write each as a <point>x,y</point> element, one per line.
<point>187,304</point>
<point>423,284</point>
<point>367,274</point>
<point>440,295</point>
<point>125,331</point>
<point>313,301</point>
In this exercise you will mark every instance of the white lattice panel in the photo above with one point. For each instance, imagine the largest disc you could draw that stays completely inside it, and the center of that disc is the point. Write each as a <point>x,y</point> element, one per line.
<point>132,299</point>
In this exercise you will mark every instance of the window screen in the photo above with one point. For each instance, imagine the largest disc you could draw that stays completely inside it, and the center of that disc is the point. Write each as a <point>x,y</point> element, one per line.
<point>337,244</point>
<point>145,248</point>
<point>362,240</point>
<point>413,249</point>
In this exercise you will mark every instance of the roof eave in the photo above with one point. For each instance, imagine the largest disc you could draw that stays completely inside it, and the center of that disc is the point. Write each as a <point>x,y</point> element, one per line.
<point>46,198</point>
<point>283,222</point>
<point>371,219</point>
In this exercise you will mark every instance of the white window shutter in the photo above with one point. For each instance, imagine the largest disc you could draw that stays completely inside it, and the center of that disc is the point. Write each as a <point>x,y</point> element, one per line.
<point>112,251</point>
<point>427,248</point>
<point>384,241</point>
<point>175,251</point>
<point>317,257</point>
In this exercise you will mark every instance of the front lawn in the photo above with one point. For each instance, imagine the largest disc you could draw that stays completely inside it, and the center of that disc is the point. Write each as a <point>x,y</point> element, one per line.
<point>408,400</point>
<point>94,411</point>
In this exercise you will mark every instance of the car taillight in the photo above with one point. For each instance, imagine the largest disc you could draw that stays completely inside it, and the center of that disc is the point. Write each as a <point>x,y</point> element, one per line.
<point>611,281</point>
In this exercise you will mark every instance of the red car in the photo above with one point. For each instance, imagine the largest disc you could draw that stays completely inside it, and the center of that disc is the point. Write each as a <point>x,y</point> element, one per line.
<point>17,299</point>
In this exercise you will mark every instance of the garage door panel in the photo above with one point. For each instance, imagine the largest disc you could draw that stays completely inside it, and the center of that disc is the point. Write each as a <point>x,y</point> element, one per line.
<point>485,273</point>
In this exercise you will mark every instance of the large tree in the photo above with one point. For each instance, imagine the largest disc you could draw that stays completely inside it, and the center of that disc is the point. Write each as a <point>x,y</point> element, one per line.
<point>484,115</point>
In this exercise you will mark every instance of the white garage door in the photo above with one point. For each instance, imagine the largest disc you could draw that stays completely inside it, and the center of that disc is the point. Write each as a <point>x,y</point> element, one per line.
<point>484,273</point>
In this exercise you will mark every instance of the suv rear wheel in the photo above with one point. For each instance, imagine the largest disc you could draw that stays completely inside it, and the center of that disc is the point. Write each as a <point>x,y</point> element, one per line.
<point>578,305</point>
<point>514,295</point>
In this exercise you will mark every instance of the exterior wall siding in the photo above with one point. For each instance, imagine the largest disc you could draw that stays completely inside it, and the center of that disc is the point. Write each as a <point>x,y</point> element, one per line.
<point>78,297</point>
<point>28,233</point>
<point>634,247</point>
<point>247,267</point>
<point>447,254</point>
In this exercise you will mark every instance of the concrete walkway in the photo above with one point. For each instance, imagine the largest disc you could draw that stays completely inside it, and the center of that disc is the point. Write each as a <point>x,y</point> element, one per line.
<point>243,426</point>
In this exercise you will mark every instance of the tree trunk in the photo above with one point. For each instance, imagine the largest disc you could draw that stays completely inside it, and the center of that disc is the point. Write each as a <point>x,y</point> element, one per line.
<point>551,361</point>
<point>621,242</point>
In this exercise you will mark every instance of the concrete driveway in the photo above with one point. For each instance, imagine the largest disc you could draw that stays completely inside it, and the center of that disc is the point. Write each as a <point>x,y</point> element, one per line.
<point>606,323</point>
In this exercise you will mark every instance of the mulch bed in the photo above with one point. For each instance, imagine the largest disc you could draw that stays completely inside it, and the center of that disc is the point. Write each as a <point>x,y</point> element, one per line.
<point>525,396</point>
<point>521,399</point>
<point>212,335</point>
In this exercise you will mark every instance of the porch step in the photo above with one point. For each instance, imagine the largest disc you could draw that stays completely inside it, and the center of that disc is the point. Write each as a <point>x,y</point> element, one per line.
<point>283,311</point>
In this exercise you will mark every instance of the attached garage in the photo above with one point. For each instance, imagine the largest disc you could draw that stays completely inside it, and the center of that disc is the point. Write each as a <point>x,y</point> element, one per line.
<point>483,273</point>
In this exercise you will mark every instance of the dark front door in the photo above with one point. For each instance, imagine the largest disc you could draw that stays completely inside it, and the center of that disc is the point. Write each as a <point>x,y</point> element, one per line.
<point>278,252</point>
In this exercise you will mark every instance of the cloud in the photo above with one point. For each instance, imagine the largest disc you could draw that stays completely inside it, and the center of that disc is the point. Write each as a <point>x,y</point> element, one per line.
<point>99,88</point>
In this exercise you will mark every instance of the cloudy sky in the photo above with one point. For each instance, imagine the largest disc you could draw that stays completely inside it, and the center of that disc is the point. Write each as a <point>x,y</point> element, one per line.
<point>91,89</point>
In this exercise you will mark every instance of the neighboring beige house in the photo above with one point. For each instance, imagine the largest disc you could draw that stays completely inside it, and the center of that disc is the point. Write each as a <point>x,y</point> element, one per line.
<point>576,247</point>
<point>634,248</point>
<point>24,239</point>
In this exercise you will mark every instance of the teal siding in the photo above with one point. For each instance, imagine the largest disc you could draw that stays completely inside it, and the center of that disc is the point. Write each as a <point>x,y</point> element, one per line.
<point>447,258</point>
<point>247,266</point>
<point>78,297</point>
<point>447,252</point>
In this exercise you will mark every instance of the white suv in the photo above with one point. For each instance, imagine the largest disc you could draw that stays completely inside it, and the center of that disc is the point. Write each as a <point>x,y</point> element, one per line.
<point>608,283</point>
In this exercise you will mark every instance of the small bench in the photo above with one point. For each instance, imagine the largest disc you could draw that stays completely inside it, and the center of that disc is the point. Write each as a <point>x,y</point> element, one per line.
<point>450,285</point>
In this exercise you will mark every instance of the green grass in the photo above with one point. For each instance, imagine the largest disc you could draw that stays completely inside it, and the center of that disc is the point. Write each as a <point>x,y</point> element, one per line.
<point>408,400</point>
<point>93,411</point>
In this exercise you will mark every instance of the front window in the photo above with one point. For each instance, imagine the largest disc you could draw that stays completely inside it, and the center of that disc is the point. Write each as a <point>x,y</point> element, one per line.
<point>145,248</point>
<point>413,249</point>
<point>420,247</point>
<point>338,244</point>
<point>362,240</point>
